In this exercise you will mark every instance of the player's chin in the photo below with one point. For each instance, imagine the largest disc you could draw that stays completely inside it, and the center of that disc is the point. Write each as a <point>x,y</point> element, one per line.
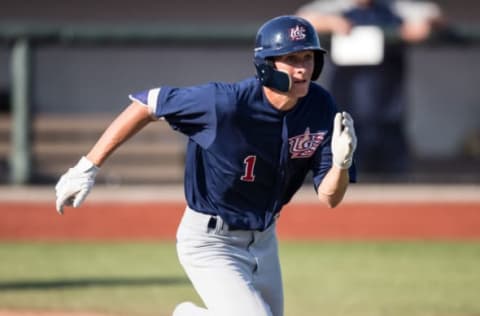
<point>300,89</point>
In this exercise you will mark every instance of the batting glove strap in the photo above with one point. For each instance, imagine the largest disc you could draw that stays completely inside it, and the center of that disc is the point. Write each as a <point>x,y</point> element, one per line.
<point>344,164</point>
<point>86,166</point>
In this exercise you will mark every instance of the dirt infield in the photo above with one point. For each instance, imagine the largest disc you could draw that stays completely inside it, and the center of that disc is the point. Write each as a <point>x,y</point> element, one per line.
<point>151,213</point>
<point>158,220</point>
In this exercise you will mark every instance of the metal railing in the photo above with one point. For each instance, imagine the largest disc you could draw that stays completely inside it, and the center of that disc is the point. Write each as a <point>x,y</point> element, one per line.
<point>23,38</point>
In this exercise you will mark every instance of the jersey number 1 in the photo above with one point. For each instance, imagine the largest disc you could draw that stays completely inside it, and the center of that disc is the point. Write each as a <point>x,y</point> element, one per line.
<point>249,162</point>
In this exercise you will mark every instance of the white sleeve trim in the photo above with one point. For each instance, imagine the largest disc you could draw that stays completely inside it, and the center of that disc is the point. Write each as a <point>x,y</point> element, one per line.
<point>152,99</point>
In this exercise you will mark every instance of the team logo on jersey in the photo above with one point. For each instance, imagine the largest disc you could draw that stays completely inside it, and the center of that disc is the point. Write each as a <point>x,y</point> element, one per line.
<point>297,33</point>
<point>304,145</point>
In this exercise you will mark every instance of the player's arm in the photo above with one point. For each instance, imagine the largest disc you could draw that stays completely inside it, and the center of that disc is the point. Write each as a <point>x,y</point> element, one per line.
<point>74,186</point>
<point>326,16</point>
<point>328,23</point>
<point>420,19</point>
<point>344,142</point>
<point>333,187</point>
<point>128,123</point>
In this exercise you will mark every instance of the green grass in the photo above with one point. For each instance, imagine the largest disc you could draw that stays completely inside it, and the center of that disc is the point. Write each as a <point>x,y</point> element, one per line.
<point>382,279</point>
<point>321,278</point>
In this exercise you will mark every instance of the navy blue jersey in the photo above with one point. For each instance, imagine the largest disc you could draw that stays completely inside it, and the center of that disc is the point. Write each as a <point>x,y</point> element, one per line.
<point>245,159</point>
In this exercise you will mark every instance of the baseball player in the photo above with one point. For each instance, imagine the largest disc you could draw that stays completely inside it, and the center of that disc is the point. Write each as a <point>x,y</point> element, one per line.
<point>251,144</point>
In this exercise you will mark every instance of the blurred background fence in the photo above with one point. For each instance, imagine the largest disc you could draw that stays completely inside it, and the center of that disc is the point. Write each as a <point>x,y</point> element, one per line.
<point>67,68</point>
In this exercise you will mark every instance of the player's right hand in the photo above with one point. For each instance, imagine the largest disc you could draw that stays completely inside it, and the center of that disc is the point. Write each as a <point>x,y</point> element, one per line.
<point>74,186</point>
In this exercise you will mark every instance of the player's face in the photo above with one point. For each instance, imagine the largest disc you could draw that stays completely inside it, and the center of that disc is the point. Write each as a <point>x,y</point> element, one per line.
<point>299,66</point>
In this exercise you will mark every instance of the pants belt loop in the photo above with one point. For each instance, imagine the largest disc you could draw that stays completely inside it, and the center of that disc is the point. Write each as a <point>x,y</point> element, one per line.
<point>220,225</point>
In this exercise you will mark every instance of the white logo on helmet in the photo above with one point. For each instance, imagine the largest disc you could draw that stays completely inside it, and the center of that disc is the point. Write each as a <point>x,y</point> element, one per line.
<point>297,33</point>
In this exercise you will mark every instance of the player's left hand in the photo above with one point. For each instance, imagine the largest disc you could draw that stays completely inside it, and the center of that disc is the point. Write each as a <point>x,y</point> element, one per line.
<point>344,140</point>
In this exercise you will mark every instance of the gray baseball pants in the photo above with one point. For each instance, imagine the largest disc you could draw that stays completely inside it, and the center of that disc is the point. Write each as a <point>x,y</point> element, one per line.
<point>235,272</point>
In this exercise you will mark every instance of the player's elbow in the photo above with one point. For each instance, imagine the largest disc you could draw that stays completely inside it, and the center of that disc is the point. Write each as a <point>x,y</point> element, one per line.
<point>330,201</point>
<point>333,204</point>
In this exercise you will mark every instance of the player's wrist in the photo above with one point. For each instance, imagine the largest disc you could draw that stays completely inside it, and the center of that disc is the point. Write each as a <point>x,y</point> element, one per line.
<point>84,165</point>
<point>343,163</point>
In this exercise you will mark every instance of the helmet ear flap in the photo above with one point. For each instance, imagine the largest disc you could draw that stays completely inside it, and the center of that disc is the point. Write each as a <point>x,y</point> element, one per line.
<point>319,61</point>
<point>270,77</point>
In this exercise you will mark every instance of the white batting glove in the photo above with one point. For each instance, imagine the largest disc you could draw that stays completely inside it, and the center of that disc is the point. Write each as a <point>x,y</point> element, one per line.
<point>344,140</point>
<point>74,186</point>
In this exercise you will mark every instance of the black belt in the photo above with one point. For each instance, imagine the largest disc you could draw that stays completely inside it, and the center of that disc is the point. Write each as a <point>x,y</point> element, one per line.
<point>212,224</point>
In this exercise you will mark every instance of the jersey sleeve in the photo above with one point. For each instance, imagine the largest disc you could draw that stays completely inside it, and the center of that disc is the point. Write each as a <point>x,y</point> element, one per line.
<point>189,110</point>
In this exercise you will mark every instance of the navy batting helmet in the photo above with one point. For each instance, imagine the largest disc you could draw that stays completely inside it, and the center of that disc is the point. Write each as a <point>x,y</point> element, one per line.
<point>281,36</point>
